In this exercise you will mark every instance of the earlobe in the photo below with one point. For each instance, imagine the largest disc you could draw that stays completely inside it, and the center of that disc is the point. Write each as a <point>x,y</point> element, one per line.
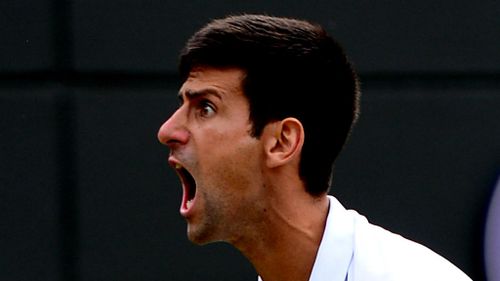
<point>284,142</point>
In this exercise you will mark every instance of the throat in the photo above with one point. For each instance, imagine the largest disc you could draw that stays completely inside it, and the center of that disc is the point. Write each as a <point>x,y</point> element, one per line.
<point>287,244</point>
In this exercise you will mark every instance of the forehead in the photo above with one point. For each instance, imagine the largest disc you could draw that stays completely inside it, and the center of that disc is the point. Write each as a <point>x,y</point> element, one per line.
<point>225,81</point>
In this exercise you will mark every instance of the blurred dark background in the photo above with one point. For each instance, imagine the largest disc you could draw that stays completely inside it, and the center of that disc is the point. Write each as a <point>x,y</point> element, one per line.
<point>85,191</point>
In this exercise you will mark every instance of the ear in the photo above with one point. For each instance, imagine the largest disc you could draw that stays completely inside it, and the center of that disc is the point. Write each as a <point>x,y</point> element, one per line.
<point>284,141</point>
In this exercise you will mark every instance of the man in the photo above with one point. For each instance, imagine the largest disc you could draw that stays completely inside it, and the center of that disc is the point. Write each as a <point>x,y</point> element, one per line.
<point>266,106</point>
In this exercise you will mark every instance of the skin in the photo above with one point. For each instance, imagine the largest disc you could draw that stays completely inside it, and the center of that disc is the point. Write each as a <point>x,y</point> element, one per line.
<point>248,192</point>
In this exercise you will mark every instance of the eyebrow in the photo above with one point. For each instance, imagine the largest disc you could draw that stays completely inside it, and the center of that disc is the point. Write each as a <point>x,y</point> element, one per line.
<point>190,94</point>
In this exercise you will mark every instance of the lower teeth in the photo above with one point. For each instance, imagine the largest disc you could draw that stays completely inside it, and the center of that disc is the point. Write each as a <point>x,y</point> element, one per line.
<point>189,203</point>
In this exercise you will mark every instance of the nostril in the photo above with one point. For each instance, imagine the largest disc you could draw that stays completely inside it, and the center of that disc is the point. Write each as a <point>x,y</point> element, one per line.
<point>172,143</point>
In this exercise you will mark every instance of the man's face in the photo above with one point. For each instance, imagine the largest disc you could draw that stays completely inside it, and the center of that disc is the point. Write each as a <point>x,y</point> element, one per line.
<point>214,154</point>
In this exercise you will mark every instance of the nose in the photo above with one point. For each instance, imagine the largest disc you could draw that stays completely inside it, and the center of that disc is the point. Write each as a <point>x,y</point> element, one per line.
<point>174,132</point>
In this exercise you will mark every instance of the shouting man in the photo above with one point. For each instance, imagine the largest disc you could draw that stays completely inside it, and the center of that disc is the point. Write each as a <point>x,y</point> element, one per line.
<point>266,106</point>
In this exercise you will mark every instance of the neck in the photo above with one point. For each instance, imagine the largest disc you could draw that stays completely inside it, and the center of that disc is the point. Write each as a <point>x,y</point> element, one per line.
<point>284,245</point>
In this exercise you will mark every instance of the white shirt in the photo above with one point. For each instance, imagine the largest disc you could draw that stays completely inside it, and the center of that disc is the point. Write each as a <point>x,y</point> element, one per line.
<point>352,249</point>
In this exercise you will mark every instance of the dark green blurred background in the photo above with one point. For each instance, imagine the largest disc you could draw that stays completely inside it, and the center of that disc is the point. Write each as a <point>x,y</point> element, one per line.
<point>85,191</point>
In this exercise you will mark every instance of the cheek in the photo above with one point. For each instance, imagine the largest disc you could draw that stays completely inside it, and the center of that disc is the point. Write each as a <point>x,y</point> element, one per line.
<point>234,164</point>
<point>226,146</point>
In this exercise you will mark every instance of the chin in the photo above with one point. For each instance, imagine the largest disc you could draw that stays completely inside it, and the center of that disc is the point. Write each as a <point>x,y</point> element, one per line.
<point>200,236</point>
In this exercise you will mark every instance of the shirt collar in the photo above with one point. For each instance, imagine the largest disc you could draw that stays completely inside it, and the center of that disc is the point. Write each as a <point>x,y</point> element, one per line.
<point>336,248</point>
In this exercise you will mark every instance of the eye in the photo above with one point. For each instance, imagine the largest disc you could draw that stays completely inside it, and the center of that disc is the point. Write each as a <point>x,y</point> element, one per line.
<point>206,109</point>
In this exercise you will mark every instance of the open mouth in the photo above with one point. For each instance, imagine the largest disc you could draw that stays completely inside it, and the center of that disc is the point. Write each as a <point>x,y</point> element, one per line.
<point>188,187</point>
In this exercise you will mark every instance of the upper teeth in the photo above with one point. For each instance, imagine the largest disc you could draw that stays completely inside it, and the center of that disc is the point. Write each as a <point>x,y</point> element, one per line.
<point>178,166</point>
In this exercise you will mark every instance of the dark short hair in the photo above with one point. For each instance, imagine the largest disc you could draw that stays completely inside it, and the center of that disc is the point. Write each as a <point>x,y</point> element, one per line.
<point>293,69</point>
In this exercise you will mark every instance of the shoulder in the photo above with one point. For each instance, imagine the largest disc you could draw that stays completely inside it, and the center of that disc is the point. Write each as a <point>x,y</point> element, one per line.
<point>381,253</point>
